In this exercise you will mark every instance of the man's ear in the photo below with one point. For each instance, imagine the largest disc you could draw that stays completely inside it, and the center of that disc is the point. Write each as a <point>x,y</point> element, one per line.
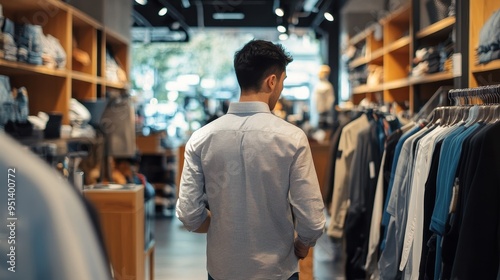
<point>271,81</point>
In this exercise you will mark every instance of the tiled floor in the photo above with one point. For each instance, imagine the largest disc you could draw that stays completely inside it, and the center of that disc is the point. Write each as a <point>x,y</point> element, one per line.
<point>180,255</point>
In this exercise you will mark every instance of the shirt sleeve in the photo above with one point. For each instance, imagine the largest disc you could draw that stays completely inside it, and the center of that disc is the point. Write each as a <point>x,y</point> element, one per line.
<point>305,196</point>
<point>191,206</point>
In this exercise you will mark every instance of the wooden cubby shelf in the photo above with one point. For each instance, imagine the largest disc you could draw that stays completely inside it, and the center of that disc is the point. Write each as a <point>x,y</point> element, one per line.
<point>437,29</point>
<point>83,77</point>
<point>84,41</point>
<point>430,78</point>
<point>402,44</point>
<point>367,89</point>
<point>377,56</point>
<point>401,83</point>
<point>358,62</point>
<point>490,66</point>
<point>404,32</point>
<point>480,12</point>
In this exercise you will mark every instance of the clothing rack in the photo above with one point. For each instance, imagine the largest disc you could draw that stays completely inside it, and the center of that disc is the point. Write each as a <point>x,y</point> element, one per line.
<point>474,96</point>
<point>445,180</point>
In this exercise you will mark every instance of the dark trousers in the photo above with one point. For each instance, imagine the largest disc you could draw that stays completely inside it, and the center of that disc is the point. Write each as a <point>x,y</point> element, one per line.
<point>295,276</point>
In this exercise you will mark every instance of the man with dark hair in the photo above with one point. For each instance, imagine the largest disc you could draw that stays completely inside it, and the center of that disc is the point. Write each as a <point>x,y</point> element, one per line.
<point>249,181</point>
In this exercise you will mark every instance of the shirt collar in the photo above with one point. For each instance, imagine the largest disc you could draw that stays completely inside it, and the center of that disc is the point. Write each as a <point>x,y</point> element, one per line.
<point>248,107</point>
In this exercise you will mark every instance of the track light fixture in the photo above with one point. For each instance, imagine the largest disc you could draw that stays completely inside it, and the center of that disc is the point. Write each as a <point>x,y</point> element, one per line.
<point>328,16</point>
<point>279,12</point>
<point>163,11</point>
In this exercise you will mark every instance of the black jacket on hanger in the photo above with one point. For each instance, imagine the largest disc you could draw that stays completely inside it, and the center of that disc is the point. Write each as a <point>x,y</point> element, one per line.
<point>477,252</point>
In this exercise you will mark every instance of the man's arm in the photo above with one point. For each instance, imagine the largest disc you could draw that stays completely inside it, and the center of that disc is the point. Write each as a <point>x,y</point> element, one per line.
<point>305,198</point>
<point>191,205</point>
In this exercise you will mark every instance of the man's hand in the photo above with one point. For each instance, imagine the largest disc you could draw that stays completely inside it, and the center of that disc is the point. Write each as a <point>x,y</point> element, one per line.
<point>301,250</point>
<point>205,225</point>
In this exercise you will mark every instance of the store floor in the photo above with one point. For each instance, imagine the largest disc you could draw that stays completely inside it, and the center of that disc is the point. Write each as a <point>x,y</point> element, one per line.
<point>181,255</point>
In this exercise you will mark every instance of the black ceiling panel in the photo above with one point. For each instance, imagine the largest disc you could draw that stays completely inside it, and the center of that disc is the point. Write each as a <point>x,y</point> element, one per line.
<point>200,13</point>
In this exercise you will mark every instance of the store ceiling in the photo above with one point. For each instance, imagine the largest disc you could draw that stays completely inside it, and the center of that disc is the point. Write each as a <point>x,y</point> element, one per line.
<point>182,15</point>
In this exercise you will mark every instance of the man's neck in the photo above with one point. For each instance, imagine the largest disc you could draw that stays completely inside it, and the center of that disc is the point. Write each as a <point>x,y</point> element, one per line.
<point>254,96</point>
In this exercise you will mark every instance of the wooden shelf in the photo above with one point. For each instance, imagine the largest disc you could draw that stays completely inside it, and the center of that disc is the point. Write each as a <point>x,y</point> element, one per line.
<point>377,56</point>
<point>401,83</point>
<point>490,66</point>
<point>19,68</point>
<point>437,29</point>
<point>366,89</point>
<point>84,77</point>
<point>430,78</point>
<point>360,36</point>
<point>358,62</point>
<point>115,38</point>
<point>81,19</point>
<point>401,14</point>
<point>116,85</point>
<point>402,44</point>
<point>33,5</point>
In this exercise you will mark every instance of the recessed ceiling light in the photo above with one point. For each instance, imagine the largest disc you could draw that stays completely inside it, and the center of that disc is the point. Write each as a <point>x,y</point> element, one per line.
<point>279,12</point>
<point>141,2</point>
<point>283,36</point>
<point>163,11</point>
<point>237,16</point>
<point>281,28</point>
<point>328,16</point>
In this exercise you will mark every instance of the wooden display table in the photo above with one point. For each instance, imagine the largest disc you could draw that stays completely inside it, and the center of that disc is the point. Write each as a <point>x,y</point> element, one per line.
<point>121,213</point>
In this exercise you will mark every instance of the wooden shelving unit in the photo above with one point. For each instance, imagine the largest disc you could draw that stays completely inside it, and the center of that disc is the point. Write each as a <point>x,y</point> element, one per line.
<point>481,74</point>
<point>51,90</point>
<point>395,54</point>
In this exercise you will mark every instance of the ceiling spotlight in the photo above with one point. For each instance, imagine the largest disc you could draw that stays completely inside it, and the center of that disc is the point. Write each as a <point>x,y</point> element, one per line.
<point>176,25</point>
<point>163,11</point>
<point>328,16</point>
<point>279,12</point>
<point>141,2</point>
<point>283,36</point>
<point>281,28</point>
<point>186,4</point>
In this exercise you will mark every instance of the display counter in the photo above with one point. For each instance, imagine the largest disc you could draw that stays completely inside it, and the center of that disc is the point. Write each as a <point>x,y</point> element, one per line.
<point>121,214</point>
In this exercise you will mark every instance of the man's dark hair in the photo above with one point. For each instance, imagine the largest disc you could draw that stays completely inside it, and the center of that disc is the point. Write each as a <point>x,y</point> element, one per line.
<point>257,60</point>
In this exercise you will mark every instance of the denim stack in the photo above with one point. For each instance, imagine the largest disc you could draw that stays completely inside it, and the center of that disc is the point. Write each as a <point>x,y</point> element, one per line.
<point>21,105</point>
<point>489,39</point>
<point>8,47</point>
<point>29,43</point>
<point>13,104</point>
<point>6,102</point>
<point>53,55</point>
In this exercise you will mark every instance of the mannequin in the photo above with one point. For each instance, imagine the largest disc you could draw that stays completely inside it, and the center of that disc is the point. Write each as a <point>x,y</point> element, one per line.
<point>325,98</point>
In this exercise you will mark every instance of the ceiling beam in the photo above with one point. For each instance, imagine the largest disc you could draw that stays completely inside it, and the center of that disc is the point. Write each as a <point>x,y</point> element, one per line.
<point>138,18</point>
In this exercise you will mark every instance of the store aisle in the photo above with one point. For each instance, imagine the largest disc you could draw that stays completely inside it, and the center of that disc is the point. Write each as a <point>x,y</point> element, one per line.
<point>179,254</point>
